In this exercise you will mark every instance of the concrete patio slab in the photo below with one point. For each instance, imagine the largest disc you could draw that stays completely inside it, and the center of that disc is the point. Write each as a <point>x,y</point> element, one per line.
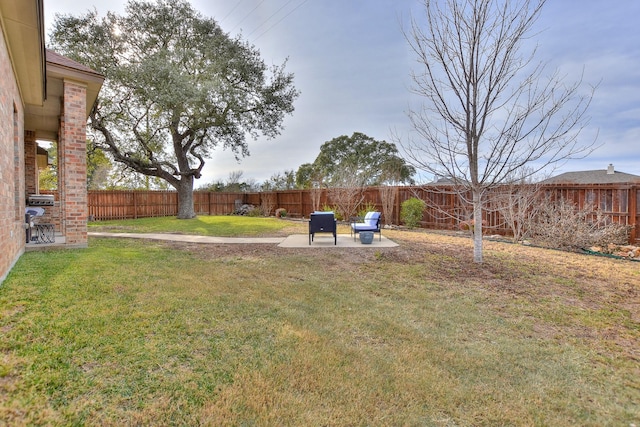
<point>293,241</point>
<point>326,241</point>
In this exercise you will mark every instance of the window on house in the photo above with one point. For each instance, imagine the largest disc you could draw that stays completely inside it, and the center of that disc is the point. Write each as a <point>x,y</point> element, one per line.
<point>47,165</point>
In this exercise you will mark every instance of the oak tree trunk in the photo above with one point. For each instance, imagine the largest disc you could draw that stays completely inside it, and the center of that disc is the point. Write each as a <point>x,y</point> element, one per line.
<point>185,198</point>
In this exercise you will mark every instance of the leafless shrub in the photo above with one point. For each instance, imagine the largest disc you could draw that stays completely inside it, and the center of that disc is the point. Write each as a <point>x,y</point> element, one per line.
<point>316,193</point>
<point>347,194</point>
<point>267,203</point>
<point>388,195</point>
<point>346,200</point>
<point>518,204</point>
<point>561,224</point>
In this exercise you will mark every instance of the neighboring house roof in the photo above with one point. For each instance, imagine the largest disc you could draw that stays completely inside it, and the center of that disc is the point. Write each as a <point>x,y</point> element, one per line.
<point>447,180</point>
<point>600,176</point>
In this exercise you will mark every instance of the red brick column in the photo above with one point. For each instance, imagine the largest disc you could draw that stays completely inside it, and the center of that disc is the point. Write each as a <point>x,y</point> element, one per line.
<point>72,164</point>
<point>30,162</point>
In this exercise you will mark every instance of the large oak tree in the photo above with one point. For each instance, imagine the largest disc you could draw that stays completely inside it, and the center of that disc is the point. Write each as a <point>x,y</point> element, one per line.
<point>355,160</point>
<point>177,86</point>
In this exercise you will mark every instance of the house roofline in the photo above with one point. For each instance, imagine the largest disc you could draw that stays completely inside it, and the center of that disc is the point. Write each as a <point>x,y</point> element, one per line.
<point>22,23</point>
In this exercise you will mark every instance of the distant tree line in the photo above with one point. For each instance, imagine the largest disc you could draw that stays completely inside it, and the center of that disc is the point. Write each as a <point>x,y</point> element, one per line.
<point>345,161</point>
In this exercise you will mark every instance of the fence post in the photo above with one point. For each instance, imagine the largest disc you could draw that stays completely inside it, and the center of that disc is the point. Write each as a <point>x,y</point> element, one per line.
<point>397,212</point>
<point>633,212</point>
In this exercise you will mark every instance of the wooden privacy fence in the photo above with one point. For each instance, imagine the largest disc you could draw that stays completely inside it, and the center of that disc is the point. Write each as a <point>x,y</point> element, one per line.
<point>444,208</point>
<point>131,204</point>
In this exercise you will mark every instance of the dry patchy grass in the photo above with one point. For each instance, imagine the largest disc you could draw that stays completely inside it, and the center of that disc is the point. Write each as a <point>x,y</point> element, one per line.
<point>131,332</point>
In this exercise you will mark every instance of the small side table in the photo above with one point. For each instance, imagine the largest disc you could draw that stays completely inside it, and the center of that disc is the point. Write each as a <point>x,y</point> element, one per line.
<point>43,233</point>
<point>366,237</point>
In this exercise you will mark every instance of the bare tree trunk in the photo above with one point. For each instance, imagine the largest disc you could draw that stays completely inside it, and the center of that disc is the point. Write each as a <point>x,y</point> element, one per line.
<point>267,202</point>
<point>388,196</point>
<point>316,193</point>
<point>477,226</point>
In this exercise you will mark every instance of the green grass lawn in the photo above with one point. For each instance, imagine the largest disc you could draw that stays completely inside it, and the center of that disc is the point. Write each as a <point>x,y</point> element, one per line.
<point>131,332</point>
<point>222,226</point>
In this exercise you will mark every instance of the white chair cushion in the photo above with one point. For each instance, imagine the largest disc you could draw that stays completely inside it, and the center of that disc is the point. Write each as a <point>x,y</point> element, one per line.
<point>363,226</point>
<point>371,218</point>
<point>369,222</point>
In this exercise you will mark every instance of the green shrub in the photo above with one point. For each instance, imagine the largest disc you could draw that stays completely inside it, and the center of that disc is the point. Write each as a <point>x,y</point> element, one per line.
<point>411,212</point>
<point>281,213</point>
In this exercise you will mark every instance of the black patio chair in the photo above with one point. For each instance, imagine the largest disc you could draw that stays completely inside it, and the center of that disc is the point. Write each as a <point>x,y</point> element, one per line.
<point>323,222</point>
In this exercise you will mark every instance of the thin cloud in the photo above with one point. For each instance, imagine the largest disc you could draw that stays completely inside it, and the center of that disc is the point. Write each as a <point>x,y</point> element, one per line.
<point>352,66</point>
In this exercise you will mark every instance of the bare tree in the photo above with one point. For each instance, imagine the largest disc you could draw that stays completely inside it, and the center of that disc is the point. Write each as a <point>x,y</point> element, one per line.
<point>488,110</point>
<point>392,176</point>
<point>316,193</point>
<point>388,195</point>
<point>347,192</point>
<point>267,202</point>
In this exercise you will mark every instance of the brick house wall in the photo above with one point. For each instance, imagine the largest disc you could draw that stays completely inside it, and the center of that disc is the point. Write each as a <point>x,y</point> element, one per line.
<point>12,198</point>
<point>43,96</point>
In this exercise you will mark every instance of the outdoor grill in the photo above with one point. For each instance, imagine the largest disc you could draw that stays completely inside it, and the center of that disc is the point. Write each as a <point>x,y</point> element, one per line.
<point>38,232</point>
<point>40,200</point>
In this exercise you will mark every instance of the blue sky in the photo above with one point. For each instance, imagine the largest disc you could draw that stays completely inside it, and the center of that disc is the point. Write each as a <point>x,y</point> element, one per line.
<point>352,66</point>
